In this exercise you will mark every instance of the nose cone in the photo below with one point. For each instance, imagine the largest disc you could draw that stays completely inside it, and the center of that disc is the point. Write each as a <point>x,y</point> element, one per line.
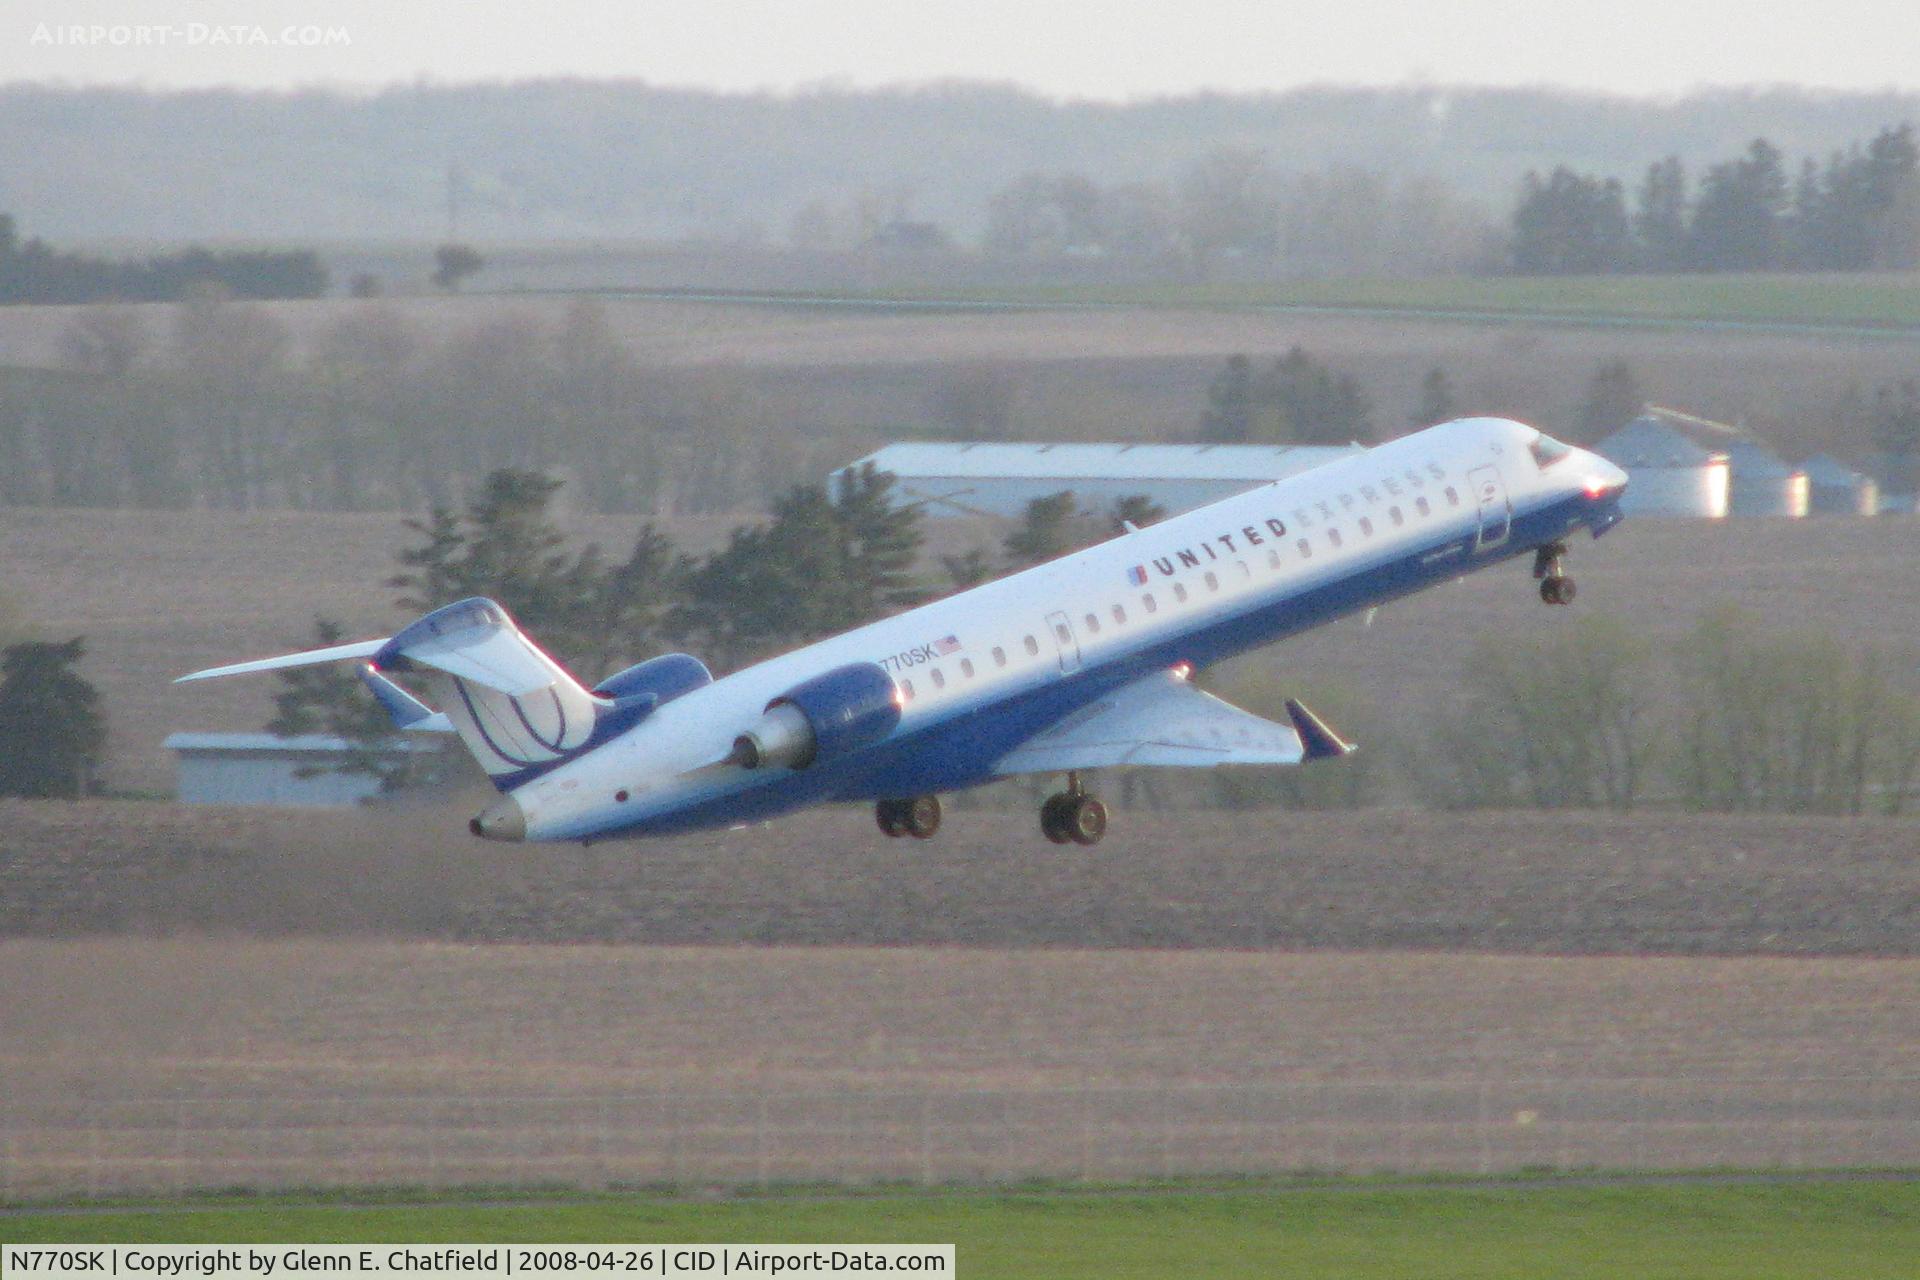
<point>504,819</point>
<point>1604,479</point>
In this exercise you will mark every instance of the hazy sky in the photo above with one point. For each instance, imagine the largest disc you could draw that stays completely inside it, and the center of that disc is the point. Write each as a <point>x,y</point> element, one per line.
<point>1073,48</point>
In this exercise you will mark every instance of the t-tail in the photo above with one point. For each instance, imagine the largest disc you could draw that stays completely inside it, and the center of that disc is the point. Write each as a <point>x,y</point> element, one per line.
<point>517,710</point>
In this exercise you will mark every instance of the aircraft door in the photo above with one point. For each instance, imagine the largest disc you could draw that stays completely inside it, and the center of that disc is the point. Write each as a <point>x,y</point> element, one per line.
<point>1496,513</point>
<point>1065,640</point>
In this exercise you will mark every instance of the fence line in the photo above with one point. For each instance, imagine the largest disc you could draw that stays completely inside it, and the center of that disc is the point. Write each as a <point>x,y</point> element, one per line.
<point>114,1146</point>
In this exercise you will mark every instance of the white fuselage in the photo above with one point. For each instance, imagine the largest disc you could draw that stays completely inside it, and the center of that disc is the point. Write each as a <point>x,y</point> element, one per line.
<point>1452,490</point>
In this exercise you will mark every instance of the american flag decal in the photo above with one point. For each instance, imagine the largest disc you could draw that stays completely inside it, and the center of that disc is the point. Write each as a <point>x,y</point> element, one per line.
<point>946,645</point>
<point>1137,575</point>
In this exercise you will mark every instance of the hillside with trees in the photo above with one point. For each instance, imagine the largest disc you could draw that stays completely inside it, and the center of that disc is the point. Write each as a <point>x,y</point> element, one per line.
<point>814,169</point>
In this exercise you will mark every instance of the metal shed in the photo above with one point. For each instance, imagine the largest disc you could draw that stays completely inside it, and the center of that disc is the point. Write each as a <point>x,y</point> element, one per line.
<point>1001,478</point>
<point>1834,488</point>
<point>1674,473</point>
<point>264,769</point>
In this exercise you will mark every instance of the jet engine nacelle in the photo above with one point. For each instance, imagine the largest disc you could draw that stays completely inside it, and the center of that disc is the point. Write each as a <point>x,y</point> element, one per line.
<point>847,708</point>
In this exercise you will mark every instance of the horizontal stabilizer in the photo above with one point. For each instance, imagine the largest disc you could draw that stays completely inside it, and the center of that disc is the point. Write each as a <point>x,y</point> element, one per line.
<point>312,657</point>
<point>494,655</point>
<point>1317,740</point>
<point>408,712</point>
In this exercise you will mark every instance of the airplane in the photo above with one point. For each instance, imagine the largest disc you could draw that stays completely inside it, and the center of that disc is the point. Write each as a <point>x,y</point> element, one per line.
<point>1084,662</point>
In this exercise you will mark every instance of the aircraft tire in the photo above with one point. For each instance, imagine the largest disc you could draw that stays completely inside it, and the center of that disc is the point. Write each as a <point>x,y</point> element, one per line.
<point>922,816</point>
<point>1053,818</point>
<point>891,817</point>
<point>1086,820</point>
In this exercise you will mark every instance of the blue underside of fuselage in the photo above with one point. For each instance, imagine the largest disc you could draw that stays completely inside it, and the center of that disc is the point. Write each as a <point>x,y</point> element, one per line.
<point>960,753</point>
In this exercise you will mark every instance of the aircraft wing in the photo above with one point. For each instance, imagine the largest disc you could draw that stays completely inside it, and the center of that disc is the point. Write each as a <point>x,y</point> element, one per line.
<point>1164,721</point>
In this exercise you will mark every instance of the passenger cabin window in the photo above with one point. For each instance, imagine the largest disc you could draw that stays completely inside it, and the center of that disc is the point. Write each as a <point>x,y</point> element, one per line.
<point>939,678</point>
<point>1180,592</point>
<point>1424,507</point>
<point>1366,526</point>
<point>966,667</point>
<point>1062,633</point>
<point>1152,605</point>
<point>1245,573</point>
<point>1273,558</point>
<point>1333,536</point>
<point>1394,514</point>
<point>1093,624</point>
<point>1213,580</point>
<point>1033,646</point>
<point>1453,499</point>
<point>999,656</point>
<point>906,687</point>
<point>1306,549</point>
<point>1119,613</point>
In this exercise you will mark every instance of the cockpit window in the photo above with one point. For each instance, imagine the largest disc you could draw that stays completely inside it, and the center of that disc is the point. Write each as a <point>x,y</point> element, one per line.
<point>1546,450</point>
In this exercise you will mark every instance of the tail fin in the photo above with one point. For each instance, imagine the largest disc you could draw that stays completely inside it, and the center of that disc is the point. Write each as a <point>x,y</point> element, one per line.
<point>517,710</point>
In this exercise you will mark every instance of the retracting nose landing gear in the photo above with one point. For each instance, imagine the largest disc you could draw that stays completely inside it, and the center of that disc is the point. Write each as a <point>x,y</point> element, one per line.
<point>1074,815</point>
<point>1555,586</point>
<point>916,816</point>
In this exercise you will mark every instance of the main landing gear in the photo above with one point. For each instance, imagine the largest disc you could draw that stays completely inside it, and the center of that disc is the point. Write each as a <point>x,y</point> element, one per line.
<point>1073,815</point>
<point>916,816</point>
<point>1555,586</point>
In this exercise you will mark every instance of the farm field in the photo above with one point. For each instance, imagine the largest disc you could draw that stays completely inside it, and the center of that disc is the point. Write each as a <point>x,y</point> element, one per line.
<point>1833,1232</point>
<point>1517,883</point>
<point>1891,300</point>
<point>153,1065</point>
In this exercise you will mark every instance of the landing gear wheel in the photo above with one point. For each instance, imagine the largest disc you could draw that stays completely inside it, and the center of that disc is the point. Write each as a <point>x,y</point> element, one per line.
<point>1086,820</point>
<point>922,816</point>
<point>1557,590</point>
<point>1053,818</point>
<point>891,817</point>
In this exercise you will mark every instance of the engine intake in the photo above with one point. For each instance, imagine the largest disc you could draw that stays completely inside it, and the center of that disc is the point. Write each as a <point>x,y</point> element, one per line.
<point>847,708</point>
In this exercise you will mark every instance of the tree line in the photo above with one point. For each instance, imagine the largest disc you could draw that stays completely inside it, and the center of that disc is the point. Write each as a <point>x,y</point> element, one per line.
<point>1297,398</point>
<point>34,271</point>
<point>1858,210</point>
<point>214,404</point>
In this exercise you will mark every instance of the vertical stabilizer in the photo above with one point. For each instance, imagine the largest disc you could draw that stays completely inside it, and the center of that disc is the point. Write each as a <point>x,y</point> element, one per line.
<point>516,709</point>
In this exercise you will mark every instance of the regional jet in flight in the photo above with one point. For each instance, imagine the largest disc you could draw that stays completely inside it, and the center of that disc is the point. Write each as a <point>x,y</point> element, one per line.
<point>1078,664</point>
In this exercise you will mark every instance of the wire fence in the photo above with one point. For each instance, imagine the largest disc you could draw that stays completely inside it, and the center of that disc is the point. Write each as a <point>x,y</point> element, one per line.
<point>119,1146</point>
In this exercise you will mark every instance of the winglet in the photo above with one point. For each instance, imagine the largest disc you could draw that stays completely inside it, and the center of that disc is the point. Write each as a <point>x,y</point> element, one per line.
<point>1318,741</point>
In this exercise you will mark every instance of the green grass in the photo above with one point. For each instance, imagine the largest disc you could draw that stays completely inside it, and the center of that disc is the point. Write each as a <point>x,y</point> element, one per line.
<point>1818,300</point>
<point>1835,1231</point>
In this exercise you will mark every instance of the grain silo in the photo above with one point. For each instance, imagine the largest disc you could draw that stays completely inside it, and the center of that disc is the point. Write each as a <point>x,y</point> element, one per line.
<point>1764,485</point>
<point>1834,488</point>
<point>1674,472</point>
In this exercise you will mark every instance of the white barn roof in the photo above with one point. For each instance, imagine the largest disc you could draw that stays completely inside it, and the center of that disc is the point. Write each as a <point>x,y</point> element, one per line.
<point>1068,462</point>
<point>998,478</point>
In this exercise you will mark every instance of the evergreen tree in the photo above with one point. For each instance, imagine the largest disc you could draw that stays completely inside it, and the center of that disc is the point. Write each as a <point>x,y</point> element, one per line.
<point>505,545</point>
<point>1660,222</point>
<point>1570,224</point>
<point>1136,509</point>
<point>1046,531</point>
<point>51,730</point>
<point>1613,398</point>
<point>881,542</point>
<point>1229,415</point>
<point>1740,219</point>
<point>1308,403</point>
<point>968,569</point>
<point>1436,400</point>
